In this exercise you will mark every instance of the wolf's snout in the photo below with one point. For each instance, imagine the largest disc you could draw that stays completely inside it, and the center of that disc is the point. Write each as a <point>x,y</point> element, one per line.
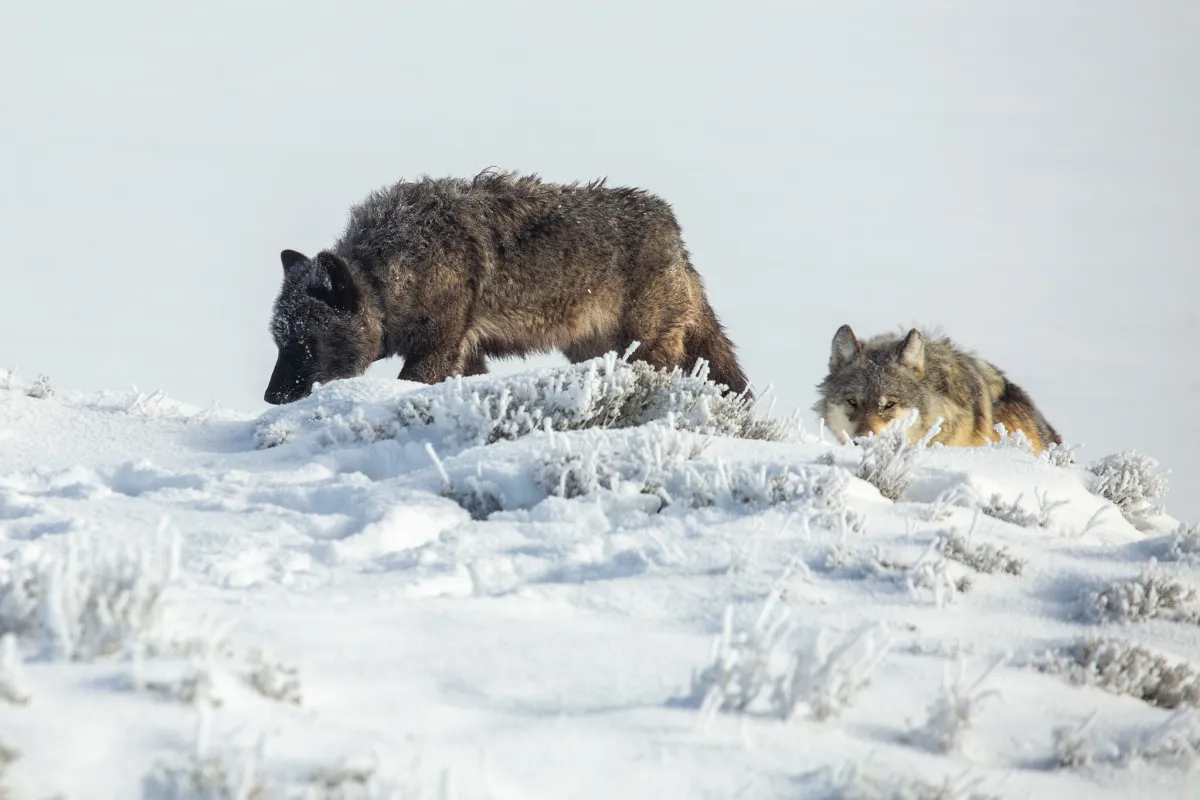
<point>285,386</point>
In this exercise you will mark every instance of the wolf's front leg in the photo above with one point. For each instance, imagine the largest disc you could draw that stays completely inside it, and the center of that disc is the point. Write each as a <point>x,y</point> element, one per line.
<point>437,364</point>
<point>474,365</point>
<point>428,368</point>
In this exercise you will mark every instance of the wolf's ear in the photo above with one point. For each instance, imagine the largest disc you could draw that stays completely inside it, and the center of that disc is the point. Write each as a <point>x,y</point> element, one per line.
<point>845,347</point>
<point>912,351</point>
<point>290,259</point>
<point>344,294</point>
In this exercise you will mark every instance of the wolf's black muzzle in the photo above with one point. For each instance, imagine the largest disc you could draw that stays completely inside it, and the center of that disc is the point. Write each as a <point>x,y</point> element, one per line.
<point>287,383</point>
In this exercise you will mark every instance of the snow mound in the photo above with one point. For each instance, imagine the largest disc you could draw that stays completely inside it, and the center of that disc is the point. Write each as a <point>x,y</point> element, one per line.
<point>605,392</point>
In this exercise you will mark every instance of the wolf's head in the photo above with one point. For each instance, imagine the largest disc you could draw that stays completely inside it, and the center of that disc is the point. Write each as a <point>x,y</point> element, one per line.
<point>319,325</point>
<point>871,384</point>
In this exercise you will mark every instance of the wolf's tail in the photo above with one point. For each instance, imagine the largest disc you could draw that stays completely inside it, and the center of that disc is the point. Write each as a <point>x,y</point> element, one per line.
<point>707,339</point>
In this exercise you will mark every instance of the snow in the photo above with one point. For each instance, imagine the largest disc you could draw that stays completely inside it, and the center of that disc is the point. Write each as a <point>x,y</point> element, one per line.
<point>339,615</point>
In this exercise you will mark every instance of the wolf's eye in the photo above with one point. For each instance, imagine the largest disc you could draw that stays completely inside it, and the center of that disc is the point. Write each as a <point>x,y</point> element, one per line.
<point>850,401</point>
<point>300,341</point>
<point>889,404</point>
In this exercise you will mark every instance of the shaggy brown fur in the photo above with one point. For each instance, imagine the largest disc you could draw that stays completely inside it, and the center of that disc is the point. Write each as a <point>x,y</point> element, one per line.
<point>447,272</point>
<point>872,383</point>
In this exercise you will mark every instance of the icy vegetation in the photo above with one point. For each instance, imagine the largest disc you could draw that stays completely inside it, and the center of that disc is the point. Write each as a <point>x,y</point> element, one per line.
<point>1122,667</point>
<point>606,392</point>
<point>1132,481</point>
<point>591,581</point>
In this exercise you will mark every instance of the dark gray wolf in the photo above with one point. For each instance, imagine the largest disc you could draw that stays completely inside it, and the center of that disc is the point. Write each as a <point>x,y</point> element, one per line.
<point>872,383</point>
<point>446,272</point>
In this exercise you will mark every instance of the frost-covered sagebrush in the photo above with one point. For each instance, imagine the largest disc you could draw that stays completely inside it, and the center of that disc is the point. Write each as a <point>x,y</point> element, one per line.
<point>1132,481</point>
<point>1125,668</point>
<point>605,392</point>
<point>1175,742</point>
<point>42,389</point>
<point>1149,596</point>
<point>90,598</point>
<point>763,670</point>
<point>741,670</point>
<point>1014,513</point>
<point>929,572</point>
<point>852,782</point>
<point>1184,544</point>
<point>888,459</point>
<point>273,679</point>
<point>1078,746</point>
<point>582,465</point>
<point>954,710</point>
<point>986,558</point>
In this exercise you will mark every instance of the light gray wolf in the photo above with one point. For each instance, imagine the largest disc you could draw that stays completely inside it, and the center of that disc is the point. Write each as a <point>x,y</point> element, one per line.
<point>874,382</point>
<point>446,272</point>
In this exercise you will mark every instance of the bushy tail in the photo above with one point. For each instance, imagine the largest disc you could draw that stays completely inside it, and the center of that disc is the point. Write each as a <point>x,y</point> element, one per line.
<point>707,339</point>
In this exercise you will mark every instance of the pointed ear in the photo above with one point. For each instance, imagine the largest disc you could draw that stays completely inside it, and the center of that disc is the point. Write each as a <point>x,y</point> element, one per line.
<point>290,259</point>
<point>845,348</point>
<point>912,351</point>
<point>344,294</point>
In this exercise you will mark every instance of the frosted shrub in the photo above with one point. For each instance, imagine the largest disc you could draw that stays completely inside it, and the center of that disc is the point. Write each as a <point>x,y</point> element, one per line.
<point>889,459</point>
<point>827,676</point>
<point>88,601</point>
<point>851,783</point>
<point>273,680</point>
<point>41,389</point>
<point>1058,455</point>
<point>1124,668</point>
<point>576,466</point>
<point>953,711</point>
<point>985,558</point>
<point>1010,440</point>
<point>716,483</point>
<point>605,392</point>
<point>12,677</point>
<point>927,572</point>
<point>1077,746</point>
<point>741,662</point>
<point>1185,543</point>
<point>934,574</point>
<point>863,563</point>
<point>1175,742</point>
<point>209,776</point>
<point>823,677</point>
<point>662,461</point>
<point>1133,483</point>
<point>1147,597</point>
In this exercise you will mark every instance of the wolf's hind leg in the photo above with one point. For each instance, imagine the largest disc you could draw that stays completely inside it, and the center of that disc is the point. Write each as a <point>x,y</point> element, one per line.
<point>587,349</point>
<point>664,351</point>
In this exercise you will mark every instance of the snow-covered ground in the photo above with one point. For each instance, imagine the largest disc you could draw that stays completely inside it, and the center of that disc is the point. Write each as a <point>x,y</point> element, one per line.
<point>472,591</point>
